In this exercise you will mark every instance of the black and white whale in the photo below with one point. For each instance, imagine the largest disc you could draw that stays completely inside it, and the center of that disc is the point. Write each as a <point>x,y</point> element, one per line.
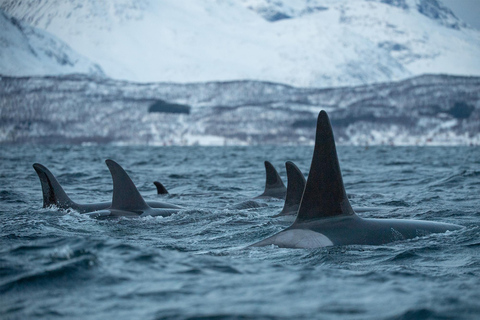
<point>160,188</point>
<point>126,200</point>
<point>295,185</point>
<point>326,218</point>
<point>54,195</point>
<point>274,187</point>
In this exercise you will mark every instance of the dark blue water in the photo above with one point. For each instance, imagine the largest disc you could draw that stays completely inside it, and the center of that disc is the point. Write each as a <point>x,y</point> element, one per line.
<point>194,264</point>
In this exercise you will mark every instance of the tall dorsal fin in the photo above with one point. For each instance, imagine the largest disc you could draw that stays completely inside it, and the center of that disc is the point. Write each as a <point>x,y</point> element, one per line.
<point>160,188</point>
<point>53,193</point>
<point>324,194</point>
<point>295,186</point>
<point>273,180</point>
<point>125,194</point>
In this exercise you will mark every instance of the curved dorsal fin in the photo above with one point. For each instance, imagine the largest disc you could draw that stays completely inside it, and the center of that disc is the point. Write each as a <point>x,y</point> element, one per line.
<point>273,180</point>
<point>295,186</point>
<point>53,193</point>
<point>160,188</point>
<point>324,194</point>
<point>125,194</point>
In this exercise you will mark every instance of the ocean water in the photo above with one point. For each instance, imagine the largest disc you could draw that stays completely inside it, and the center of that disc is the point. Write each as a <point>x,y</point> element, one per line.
<point>196,265</point>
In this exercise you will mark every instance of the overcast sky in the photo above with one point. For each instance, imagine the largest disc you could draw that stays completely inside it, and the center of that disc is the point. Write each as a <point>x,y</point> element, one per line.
<point>467,10</point>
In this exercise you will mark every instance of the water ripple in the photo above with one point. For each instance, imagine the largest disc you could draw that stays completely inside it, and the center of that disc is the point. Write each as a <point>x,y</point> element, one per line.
<point>196,264</point>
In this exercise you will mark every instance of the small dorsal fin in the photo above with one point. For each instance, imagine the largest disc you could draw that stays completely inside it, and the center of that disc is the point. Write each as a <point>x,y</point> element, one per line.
<point>295,186</point>
<point>160,188</point>
<point>273,180</point>
<point>125,194</point>
<point>53,193</point>
<point>324,194</point>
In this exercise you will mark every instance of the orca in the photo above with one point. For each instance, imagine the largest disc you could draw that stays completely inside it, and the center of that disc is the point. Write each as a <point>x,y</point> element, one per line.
<point>295,185</point>
<point>54,195</point>
<point>325,216</point>
<point>160,188</point>
<point>126,200</point>
<point>274,187</point>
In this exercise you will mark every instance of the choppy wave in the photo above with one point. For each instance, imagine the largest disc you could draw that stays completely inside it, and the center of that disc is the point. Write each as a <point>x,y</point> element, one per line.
<point>195,264</point>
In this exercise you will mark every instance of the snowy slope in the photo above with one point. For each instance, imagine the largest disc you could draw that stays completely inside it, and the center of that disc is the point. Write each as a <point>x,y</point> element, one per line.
<point>298,42</point>
<point>28,51</point>
<point>425,110</point>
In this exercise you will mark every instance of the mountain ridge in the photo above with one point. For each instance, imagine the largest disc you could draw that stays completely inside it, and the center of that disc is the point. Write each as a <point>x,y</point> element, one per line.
<point>35,52</point>
<point>425,110</point>
<point>316,43</point>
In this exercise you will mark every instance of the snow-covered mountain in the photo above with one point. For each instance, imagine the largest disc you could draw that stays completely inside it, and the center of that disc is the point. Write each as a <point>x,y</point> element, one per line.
<point>308,43</point>
<point>426,110</point>
<point>29,51</point>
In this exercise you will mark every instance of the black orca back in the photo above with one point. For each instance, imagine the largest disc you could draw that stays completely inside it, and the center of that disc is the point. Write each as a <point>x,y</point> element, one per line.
<point>125,194</point>
<point>273,180</point>
<point>295,186</point>
<point>274,186</point>
<point>53,193</point>
<point>160,188</point>
<point>324,194</point>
